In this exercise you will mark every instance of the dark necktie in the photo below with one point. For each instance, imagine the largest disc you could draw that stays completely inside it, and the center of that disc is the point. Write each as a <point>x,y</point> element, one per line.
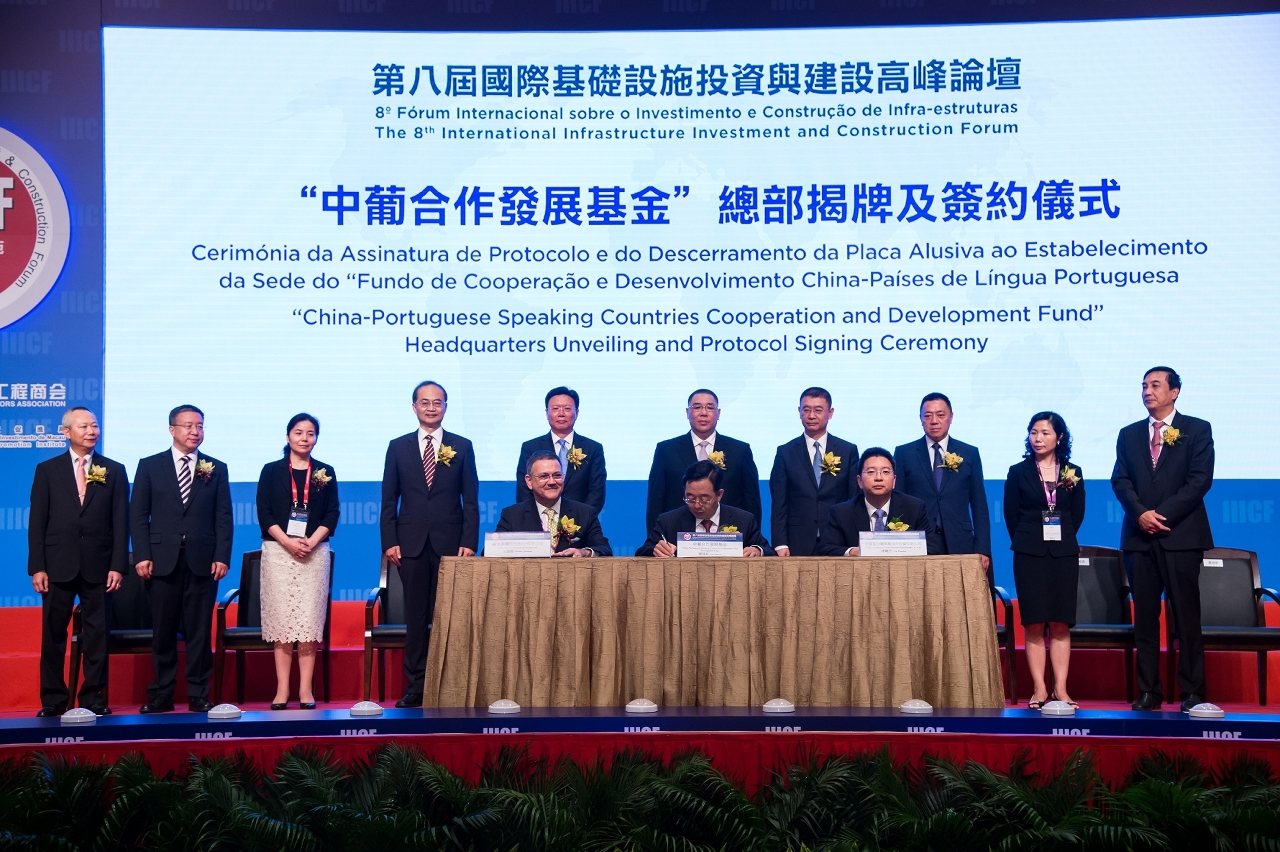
<point>879,513</point>
<point>937,465</point>
<point>184,480</point>
<point>706,525</point>
<point>817,462</point>
<point>429,462</point>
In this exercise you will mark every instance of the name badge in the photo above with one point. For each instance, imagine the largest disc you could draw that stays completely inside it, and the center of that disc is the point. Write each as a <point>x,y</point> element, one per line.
<point>297,527</point>
<point>1052,526</point>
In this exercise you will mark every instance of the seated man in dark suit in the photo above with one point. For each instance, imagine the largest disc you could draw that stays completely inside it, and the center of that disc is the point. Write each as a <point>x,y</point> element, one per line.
<point>574,527</point>
<point>703,512</point>
<point>877,508</point>
<point>581,459</point>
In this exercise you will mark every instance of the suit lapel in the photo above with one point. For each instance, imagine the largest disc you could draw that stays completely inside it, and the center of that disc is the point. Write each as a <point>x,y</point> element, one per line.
<point>803,461</point>
<point>197,482</point>
<point>926,457</point>
<point>1166,449</point>
<point>89,489</point>
<point>688,455</point>
<point>1031,473</point>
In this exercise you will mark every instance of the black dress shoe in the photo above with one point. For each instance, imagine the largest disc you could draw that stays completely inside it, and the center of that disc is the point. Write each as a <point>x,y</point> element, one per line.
<point>411,699</point>
<point>157,705</point>
<point>199,705</point>
<point>283,705</point>
<point>1191,701</point>
<point>99,709</point>
<point>46,712</point>
<point>1148,701</point>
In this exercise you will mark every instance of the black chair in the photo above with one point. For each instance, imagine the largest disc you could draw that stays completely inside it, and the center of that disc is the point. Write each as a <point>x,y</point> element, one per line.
<point>1104,618</point>
<point>1005,637</point>
<point>1231,610</point>
<point>246,635</point>
<point>128,611</point>
<point>384,626</point>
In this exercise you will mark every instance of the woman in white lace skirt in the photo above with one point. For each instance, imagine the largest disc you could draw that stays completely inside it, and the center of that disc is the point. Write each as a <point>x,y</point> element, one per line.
<point>298,510</point>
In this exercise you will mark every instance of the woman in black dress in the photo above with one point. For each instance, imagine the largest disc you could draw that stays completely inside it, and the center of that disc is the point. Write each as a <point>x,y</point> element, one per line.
<point>1043,509</point>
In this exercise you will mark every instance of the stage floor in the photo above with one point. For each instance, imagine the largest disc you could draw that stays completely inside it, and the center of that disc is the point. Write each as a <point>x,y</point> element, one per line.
<point>1117,721</point>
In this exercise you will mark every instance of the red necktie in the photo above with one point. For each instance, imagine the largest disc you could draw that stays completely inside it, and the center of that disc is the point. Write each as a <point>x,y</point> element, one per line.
<point>706,525</point>
<point>429,462</point>
<point>1156,442</point>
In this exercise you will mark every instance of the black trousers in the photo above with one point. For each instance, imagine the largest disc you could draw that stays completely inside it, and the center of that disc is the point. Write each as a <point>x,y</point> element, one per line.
<point>418,575</point>
<point>56,608</point>
<point>1176,573</point>
<point>181,598</point>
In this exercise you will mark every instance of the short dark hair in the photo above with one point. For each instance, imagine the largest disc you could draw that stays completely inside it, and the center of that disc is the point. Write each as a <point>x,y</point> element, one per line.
<point>701,470</point>
<point>816,392</point>
<point>1175,381</point>
<point>540,455</point>
<point>1063,450</point>
<point>428,383</point>
<point>561,391</point>
<point>173,415</point>
<point>930,397</point>
<point>689,401</point>
<point>873,453</point>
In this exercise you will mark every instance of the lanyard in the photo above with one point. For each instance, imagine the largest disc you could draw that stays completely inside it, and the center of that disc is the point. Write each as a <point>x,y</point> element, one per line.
<point>306,489</point>
<point>1050,494</point>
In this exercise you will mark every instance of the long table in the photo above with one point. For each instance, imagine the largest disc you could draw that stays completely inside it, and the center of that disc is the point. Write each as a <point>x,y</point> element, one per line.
<point>823,632</point>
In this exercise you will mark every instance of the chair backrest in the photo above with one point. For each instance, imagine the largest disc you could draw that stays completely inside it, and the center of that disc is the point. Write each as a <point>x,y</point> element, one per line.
<point>392,594</point>
<point>1227,579</point>
<point>1102,594</point>
<point>249,609</point>
<point>129,607</point>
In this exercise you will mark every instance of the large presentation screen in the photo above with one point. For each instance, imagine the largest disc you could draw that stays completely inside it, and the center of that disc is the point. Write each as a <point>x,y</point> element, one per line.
<point>1022,216</point>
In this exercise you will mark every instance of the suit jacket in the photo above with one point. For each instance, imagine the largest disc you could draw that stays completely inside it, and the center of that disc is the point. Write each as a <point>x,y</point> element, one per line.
<point>1175,489</point>
<point>847,519</point>
<point>672,457</point>
<point>65,538</point>
<point>670,524</point>
<point>1024,500</point>
<point>526,517</point>
<point>447,516</point>
<point>959,509</point>
<point>162,526</point>
<point>582,484</point>
<point>275,498</point>
<point>800,504</point>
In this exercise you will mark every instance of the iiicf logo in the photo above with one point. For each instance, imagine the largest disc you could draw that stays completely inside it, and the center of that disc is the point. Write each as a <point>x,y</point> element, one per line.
<point>35,228</point>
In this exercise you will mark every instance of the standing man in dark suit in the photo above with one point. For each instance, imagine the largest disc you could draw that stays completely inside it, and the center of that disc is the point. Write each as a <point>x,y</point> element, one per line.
<point>574,527</point>
<point>581,459</point>
<point>878,507</point>
<point>429,510</point>
<point>810,475</point>
<point>1164,467</point>
<point>701,510</point>
<point>182,524</point>
<point>947,475</point>
<point>77,544</point>
<point>672,458</point>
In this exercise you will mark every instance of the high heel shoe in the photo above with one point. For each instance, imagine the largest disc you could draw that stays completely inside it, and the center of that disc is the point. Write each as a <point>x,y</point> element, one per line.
<point>306,705</point>
<point>284,705</point>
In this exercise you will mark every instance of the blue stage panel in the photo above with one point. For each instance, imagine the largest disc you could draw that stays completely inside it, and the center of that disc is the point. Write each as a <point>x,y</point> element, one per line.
<point>338,723</point>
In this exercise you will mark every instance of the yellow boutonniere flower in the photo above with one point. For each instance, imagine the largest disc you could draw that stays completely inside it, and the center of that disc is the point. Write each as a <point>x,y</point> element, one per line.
<point>1171,436</point>
<point>1069,478</point>
<point>97,475</point>
<point>204,469</point>
<point>576,457</point>
<point>951,461</point>
<point>830,463</point>
<point>716,458</point>
<point>321,478</point>
<point>445,454</point>
<point>730,528</point>
<point>897,525</point>
<point>568,526</point>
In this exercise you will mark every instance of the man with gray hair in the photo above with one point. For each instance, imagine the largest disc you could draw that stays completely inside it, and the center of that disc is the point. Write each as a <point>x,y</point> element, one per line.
<point>77,545</point>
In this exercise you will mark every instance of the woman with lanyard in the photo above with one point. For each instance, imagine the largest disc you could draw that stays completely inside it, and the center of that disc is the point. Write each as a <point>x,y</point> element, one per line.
<point>298,510</point>
<point>1043,509</point>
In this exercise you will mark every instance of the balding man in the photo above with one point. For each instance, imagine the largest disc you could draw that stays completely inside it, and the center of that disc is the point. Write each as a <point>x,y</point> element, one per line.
<point>78,546</point>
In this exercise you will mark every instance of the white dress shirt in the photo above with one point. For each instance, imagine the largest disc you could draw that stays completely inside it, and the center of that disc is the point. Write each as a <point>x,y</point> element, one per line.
<point>555,516</point>
<point>821,442</point>
<point>715,522</point>
<point>871,512</point>
<point>941,442</point>
<point>710,439</point>
<point>178,455</point>
<point>556,439</point>
<point>75,459</point>
<point>437,439</point>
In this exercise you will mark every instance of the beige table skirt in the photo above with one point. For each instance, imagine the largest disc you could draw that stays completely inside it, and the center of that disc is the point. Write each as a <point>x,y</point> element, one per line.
<point>713,632</point>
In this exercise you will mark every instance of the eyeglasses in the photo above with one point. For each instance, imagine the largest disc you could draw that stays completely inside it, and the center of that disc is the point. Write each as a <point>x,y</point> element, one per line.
<point>543,477</point>
<point>431,403</point>
<point>561,409</point>
<point>699,501</point>
<point>700,407</point>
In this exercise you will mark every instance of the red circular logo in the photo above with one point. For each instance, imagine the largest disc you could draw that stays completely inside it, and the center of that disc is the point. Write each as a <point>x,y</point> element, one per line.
<point>35,228</point>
